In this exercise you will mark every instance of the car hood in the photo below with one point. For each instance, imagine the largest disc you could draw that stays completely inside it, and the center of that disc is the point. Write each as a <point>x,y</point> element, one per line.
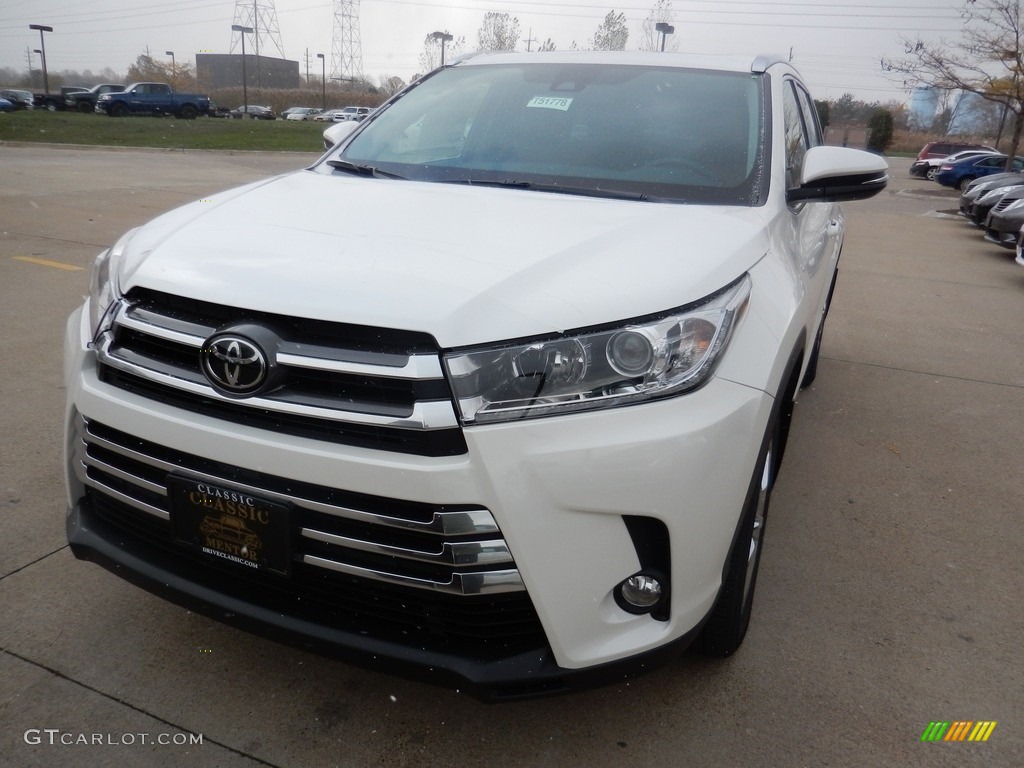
<point>465,264</point>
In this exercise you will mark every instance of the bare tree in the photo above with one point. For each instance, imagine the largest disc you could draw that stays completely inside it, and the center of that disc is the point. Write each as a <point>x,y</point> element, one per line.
<point>146,69</point>
<point>650,38</point>
<point>547,45</point>
<point>612,34</point>
<point>389,85</point>
<point>499,32</point>
<point>987,60</point>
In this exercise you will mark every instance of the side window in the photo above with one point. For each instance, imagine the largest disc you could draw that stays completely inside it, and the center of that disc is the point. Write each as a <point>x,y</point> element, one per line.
<point>796,140</point>
<point>810,117</point>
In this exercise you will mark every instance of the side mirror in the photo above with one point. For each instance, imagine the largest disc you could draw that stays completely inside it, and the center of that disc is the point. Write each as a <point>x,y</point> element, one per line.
<point>338,131</point>
<point>835,174</point>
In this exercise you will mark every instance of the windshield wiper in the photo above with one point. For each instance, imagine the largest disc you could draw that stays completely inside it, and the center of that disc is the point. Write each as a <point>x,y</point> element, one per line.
<point>616,194</point>
<point>362,170</point>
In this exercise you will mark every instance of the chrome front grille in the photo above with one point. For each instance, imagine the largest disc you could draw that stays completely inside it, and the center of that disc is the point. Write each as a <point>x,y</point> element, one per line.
<point>375,388</point>
<point>452,549</point>
<point>1003,204</point>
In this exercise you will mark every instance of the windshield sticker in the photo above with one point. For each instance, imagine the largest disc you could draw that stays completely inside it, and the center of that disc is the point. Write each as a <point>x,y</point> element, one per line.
<point>549,102</point>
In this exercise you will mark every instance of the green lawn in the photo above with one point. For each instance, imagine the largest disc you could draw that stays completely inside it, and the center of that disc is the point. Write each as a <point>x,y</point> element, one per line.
<point>163,132</point>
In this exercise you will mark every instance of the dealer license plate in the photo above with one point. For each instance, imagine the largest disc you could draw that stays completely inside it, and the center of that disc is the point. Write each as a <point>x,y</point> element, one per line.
<point>231,525</point>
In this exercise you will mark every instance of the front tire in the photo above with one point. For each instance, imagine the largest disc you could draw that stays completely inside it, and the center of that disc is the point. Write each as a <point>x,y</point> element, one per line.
<point>962,184</point>
<point>932,173</point>
<point>725,629</point>
<point>188,112</point>
<point>118,110</point>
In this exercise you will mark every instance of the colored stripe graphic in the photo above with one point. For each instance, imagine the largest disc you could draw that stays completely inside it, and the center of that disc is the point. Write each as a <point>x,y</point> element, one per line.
<point>958,730</point>
<point>982,731</point>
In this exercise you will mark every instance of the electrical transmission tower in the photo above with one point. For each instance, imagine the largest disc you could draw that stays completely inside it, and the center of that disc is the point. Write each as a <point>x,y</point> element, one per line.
<point>261,17</point>
<point>346,49</point>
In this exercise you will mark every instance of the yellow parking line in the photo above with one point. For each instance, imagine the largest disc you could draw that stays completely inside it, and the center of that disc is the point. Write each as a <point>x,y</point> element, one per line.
<point>47,263</point>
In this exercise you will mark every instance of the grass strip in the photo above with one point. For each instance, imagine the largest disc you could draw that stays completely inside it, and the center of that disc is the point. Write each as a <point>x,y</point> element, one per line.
<point>162,132</point>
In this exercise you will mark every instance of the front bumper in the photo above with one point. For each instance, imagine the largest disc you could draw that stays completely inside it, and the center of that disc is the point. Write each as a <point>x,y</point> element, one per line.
<point>526,674</point>
<point>559,489</point>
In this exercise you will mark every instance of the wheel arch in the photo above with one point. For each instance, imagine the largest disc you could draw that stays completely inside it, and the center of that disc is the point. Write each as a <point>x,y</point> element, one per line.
<point>781,414</point>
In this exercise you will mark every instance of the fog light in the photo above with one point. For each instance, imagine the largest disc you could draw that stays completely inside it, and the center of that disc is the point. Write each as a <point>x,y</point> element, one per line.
<point>639,593</point>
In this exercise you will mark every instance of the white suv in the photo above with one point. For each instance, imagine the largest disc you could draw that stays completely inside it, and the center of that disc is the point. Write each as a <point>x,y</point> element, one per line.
<point>352,113</point>
<point>495,393</point>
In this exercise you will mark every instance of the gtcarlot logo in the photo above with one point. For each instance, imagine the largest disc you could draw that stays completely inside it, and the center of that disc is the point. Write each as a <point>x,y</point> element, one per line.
<point>57,737</point>
<point>958,730</point>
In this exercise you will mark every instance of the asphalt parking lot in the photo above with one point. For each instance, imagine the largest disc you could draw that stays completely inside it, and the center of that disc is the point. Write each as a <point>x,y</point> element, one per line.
<point>890,593</point>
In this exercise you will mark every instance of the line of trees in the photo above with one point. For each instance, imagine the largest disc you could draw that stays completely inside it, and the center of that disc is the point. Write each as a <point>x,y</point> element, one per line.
<point>502,32</point>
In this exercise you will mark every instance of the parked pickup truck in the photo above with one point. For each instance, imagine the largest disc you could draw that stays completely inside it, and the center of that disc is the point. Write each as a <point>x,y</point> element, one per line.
<point>54,102</point>
<point>85,101</point>
<point>153,99</point>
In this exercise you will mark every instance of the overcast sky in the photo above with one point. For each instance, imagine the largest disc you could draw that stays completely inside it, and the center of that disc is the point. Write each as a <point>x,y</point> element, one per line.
<point>836,45</point>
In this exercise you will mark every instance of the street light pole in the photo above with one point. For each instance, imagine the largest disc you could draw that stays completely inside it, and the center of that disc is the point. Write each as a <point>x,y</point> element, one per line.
<point>323,80</point>
<point>174,66</point>
<point>42,52</point>
<point>444,37</point>
<point>245,93</point>
<point>666,30</point>
<point>36,50</point>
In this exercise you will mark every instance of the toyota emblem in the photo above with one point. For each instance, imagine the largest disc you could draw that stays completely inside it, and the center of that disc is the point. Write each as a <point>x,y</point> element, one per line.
<point>234,364</point>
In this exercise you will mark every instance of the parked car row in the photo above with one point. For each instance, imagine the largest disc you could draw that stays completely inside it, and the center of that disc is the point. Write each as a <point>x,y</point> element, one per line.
<point>299,113</point>
<point>343,115</point>
<point>253,112</point>
<point>17,98</point>
<point>966,163</point>
<point>85,101</point>
<point>929,167</point>
<point>996,206</point>
<point>960,173</point>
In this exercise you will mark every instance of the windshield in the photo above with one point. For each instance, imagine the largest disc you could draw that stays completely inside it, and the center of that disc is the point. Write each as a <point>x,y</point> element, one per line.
<point>653,133</point>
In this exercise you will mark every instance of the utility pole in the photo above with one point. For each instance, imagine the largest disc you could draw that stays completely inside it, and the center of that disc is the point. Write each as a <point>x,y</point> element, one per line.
<point>256,27</point>
<point>529,41</point>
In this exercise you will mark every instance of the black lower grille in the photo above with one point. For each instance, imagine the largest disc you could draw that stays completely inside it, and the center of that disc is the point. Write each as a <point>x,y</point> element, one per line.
<point>484,628</point>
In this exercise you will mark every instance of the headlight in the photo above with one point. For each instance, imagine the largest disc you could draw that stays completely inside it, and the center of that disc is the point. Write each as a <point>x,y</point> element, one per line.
<point>635,361</point>
<point>1015,205</point>
<point>103,287</point>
